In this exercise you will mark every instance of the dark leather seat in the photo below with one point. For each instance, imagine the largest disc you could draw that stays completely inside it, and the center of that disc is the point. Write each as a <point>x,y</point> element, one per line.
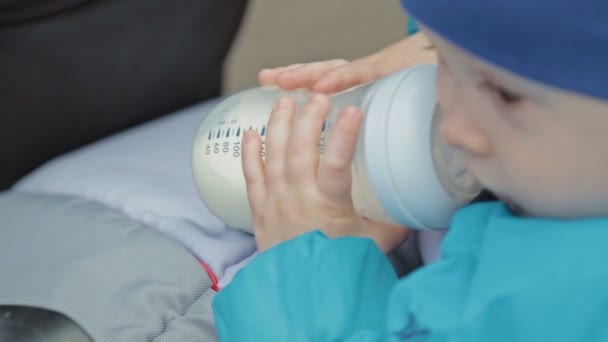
<point>74,71</point>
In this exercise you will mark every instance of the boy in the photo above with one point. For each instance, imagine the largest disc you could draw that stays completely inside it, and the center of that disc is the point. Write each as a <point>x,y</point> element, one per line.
<point>523,90</point>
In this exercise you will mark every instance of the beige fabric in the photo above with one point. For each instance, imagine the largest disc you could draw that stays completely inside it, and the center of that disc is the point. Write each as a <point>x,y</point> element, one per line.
<point>278,32</point>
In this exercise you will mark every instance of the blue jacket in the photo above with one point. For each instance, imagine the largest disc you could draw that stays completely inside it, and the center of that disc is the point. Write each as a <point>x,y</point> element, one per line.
<point>500,278</point>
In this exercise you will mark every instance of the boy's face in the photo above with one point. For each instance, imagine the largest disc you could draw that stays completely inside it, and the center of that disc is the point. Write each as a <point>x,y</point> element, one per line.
<point>543,150</point>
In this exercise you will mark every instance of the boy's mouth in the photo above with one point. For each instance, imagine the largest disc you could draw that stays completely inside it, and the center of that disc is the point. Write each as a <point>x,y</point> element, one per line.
<point>515,209</point>
<point>502,197</point>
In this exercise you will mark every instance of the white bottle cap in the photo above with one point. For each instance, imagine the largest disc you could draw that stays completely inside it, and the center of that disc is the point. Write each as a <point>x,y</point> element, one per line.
<point>401,147</point>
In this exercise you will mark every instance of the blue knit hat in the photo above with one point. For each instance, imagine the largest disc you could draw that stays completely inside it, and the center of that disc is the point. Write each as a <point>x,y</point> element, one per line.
<point>562,43</point>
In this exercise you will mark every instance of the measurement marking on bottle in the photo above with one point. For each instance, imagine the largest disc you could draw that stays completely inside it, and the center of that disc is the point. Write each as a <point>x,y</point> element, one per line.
<point>236,132</point>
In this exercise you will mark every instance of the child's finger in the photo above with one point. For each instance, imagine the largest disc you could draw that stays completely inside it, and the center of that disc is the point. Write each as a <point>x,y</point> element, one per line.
<point>253,169</point>
<point>277,137</point>
<point>335,164</point>
<point>347,76</point>
<point>387,236</point>
<point>303,148</point>
<point>268,77</point>
<point>306,75</point>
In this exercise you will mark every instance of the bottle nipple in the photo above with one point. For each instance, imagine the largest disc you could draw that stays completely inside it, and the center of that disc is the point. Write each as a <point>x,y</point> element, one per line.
<point>450,165</point>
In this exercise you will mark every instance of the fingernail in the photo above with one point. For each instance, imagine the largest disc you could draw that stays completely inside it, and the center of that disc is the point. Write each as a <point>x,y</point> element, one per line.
<point>282,102</point>
<point>249,135</point>
<point>351,111</point>
<point>318,98</point>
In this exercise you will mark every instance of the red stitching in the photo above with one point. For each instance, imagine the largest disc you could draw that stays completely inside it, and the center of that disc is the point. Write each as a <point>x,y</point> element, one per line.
<point>215,284</point>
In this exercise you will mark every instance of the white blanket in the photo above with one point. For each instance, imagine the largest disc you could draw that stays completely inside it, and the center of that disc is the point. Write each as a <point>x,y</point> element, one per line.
<point>146,173</point>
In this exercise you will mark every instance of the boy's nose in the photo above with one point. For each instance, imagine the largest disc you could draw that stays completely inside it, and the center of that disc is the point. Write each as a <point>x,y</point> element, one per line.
<point>457,131</point>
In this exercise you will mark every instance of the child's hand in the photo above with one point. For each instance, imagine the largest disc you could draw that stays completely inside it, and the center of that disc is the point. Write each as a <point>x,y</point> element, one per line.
<point>296,190</point>
<point>338,74</point>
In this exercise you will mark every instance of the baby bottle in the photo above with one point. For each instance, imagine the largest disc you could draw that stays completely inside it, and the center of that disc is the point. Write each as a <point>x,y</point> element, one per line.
<point>403,172</point>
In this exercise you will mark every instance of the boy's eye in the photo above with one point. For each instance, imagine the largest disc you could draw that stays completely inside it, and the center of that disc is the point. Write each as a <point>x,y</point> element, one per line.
<point>506,96</point>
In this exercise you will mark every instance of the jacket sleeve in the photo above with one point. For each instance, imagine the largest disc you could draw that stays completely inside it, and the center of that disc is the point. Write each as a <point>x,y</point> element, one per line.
<point>311,288</point>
